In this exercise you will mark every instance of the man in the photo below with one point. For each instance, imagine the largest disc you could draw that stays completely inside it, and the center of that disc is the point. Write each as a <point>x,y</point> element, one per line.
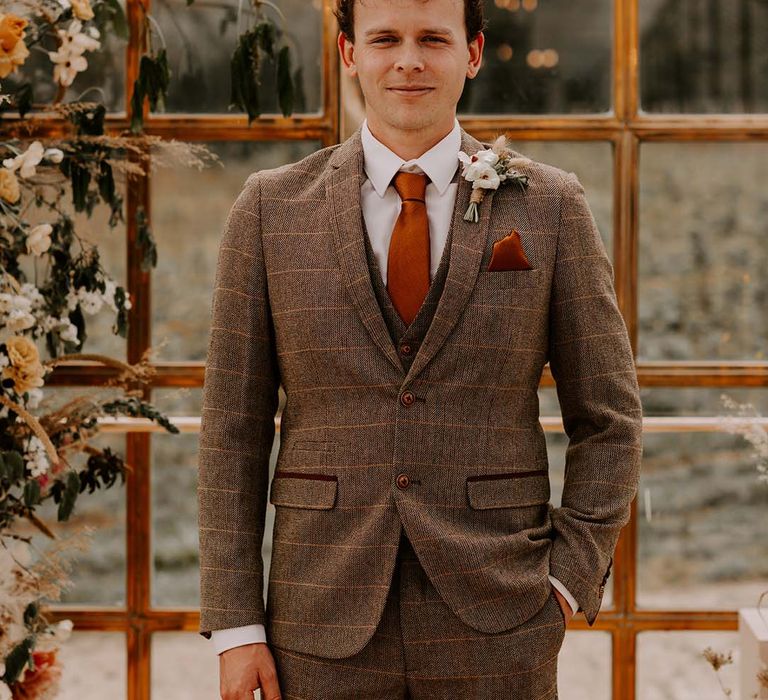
<point>415,550</point>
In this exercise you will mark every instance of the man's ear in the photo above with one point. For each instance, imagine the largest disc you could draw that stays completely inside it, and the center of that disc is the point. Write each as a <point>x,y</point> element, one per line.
<point>475,54</point>
<point>347,53</point>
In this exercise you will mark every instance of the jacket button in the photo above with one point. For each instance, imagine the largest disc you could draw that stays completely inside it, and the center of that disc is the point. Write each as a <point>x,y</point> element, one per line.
<point>407,398</point>
<point>402,481</point>
<point>405,349</point>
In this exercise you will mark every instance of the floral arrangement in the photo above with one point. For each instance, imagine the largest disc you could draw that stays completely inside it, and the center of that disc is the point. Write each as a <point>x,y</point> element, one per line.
<point>487,169</point>
<point>46,312</point>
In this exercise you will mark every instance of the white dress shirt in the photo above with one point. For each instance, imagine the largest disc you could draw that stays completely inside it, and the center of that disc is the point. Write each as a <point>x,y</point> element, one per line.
<point>381,207</point>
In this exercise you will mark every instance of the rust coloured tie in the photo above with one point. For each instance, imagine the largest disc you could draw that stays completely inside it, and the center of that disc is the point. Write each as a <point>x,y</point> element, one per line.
<point>408,257</point>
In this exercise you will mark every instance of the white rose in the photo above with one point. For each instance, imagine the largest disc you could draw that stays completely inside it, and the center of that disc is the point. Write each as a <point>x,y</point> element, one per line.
<point>487,178</point>
<point>5,691</point>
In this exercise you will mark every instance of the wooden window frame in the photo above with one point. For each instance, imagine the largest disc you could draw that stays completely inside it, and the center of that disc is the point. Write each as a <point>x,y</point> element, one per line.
<point>625,128</point>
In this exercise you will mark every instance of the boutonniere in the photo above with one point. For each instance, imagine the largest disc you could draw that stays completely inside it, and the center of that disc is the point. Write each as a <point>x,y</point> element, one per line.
<point>487,169</point>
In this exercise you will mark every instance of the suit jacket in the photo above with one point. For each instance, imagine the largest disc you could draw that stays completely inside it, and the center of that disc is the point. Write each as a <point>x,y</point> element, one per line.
<point>451,449</point>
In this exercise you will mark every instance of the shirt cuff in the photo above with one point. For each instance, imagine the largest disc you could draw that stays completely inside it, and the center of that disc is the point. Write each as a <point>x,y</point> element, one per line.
<point>566,593</point>
<point>237,637</point>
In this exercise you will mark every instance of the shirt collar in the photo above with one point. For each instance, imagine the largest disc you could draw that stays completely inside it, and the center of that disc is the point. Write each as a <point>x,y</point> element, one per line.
<point>439,162</point>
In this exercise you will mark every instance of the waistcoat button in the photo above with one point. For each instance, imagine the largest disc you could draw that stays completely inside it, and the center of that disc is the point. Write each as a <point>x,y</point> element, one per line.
<point>407,398</point>
<point>405,349</point>
<point>402,481</point>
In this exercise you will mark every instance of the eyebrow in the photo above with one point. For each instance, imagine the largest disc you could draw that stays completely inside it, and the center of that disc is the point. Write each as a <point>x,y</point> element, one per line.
<point>430,30</point>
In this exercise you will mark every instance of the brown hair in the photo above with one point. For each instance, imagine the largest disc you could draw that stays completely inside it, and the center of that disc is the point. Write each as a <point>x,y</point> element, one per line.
<point>474,19</point>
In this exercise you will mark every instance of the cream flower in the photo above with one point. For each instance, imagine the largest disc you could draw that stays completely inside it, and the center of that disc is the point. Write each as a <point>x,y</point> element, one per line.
<point>25,369</point>
<point>68,58</point>
<point>25,162</point>
<point>9,186</point>
<point>39,239</point>
<point>82,9</point>
<point>13,50</point>
<point>487,178</point>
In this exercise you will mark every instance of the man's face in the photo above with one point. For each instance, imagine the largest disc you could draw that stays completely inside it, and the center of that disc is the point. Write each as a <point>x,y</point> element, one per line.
<point>411,59</point>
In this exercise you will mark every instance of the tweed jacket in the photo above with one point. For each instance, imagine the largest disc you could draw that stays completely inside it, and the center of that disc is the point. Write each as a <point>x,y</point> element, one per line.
<point>448,446</point>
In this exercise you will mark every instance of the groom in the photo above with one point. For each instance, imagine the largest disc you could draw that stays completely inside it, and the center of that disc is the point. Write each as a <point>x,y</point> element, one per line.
<point>415,550</point>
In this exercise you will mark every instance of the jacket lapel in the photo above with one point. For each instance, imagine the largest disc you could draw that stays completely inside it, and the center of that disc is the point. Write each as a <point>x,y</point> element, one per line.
<point>343,192</point>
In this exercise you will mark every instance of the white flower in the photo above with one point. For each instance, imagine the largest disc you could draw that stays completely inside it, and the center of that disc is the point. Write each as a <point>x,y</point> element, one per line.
<point>69,59</point>
<point>63,630</point>
<point>55,155</point>
<point>68,65</point>
<point>19,319</point>
<point>26,161</point>
<point>91,302</point>
<point>39,239</point>
<point>35,396</point>
<point>66,4</point>
<point>5,691</point>
<point>67,330</point>
<point>487,178</point>
<point>36,457</point>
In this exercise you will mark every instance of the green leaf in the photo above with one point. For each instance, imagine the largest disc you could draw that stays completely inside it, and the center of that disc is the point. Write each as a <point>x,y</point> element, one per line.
<point>15,465</point>
<point>69,496</point>
<point>265,33</point>
<point>31,493</point>
<point>15,661</point>
<point>284,82</point>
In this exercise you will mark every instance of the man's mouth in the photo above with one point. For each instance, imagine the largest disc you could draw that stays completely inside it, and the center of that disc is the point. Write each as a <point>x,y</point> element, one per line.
<point>411,91</point>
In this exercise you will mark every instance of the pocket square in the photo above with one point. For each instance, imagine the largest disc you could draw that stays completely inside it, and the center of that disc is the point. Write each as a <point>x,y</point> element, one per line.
<point>508,254</point>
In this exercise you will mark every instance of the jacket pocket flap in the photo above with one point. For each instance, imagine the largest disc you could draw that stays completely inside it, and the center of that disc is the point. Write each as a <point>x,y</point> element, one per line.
<point>303,490</point>
<point>508,489</point>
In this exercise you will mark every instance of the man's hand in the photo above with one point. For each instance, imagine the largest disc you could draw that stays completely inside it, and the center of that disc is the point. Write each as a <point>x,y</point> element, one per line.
<point>247,668</point>
<point>564,606</point>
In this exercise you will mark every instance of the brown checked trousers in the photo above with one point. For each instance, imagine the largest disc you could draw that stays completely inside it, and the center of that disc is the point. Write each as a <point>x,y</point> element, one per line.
<point>413,532</point>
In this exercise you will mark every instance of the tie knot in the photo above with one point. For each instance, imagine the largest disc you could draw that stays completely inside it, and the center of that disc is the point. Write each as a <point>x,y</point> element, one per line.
<point>410,185</point>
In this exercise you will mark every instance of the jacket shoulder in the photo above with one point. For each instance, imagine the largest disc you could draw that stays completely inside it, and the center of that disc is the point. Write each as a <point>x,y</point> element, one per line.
<point>298,180</point>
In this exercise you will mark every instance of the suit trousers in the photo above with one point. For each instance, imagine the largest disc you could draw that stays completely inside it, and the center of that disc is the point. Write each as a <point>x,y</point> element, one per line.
<point>421,650</point>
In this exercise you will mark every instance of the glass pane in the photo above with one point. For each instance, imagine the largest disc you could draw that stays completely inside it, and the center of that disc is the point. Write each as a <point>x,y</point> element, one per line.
<point>202,37</point>
<point>94,666</point>
<point>188,212</point>
<point>196,677</point>
<point>98,573</point>
<point>670,665</point>
<point>557,444</point>
<point>584,666</point>
<point>702,282</point>
<point>543,58</point>
<point>175,579</point>
<point>102,81</point>
<point>705,57</point>
<point>597,179</point>
<point>702,514</point>
<point>700,401</point>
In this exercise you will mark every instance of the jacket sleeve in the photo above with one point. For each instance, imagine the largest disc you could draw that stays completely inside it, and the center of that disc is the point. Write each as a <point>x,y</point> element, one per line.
<point>591,360</point>
<point>240,399</point>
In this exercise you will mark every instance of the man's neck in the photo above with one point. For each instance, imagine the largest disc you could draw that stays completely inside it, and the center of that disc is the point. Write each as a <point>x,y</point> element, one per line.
<point>411,143</point>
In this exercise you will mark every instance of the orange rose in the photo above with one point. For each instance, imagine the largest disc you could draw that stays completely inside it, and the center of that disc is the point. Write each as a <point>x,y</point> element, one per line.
<point>13,50</point>
<point>25,368</point>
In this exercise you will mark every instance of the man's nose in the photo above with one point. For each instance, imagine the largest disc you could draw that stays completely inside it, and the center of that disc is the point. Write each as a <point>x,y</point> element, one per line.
<point>409,58</point>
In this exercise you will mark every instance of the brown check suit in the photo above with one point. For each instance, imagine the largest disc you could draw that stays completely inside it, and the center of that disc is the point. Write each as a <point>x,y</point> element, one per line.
<point>446,447</point>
